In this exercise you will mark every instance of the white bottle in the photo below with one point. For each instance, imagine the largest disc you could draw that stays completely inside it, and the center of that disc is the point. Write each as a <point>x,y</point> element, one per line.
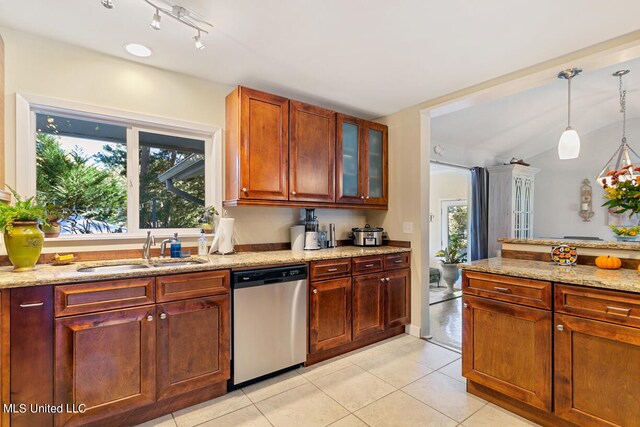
<point>202,244</point>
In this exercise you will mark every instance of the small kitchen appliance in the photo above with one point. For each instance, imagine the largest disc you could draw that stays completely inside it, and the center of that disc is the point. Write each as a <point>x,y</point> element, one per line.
<point>367,236</point>
<point>310,230</point>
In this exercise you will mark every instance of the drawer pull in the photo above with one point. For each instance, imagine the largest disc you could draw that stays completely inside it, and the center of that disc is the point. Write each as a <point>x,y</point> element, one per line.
<point>331,270</point>
<point>560,328</point>
<point>623,311</point>
<point>31,304</point>
<point>369,265</point>
<point>398,261</point>
<point>504,290</point>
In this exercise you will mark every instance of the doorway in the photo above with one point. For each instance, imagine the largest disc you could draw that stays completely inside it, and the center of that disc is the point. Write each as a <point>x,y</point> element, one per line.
<point>449,233</point>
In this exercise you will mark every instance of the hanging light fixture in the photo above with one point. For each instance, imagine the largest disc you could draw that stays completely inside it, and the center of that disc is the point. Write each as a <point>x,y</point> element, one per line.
<point>569,143</point>
<point>624,156</point>
<point>155,22</point>
<point>197,41</point>
<point>107,3</point>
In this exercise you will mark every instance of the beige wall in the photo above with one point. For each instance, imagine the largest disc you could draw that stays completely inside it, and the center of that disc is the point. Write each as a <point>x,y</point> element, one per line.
<point>39,66</point>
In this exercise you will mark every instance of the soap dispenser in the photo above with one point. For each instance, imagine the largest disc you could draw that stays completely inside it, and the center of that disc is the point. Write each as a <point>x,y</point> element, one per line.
<point>176,247</point>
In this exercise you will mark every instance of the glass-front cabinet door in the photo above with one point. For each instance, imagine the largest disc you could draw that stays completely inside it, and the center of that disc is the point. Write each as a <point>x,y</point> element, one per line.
<point>349,160</point>
<point>376,170</point>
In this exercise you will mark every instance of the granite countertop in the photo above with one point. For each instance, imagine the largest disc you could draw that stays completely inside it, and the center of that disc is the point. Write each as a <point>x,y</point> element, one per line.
<point>46,274</point>
<point>597,244</point>
<point>585,275</point>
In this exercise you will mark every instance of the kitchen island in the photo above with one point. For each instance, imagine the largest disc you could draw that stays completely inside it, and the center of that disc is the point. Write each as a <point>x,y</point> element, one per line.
<point>558,345</point>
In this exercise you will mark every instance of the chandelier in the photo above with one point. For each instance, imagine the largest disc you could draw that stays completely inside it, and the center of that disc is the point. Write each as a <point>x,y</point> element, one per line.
<point>625,157</point>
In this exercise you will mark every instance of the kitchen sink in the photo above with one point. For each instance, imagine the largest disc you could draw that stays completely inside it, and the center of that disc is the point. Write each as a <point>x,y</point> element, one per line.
<point>176,263</point>
<point>114,268</point>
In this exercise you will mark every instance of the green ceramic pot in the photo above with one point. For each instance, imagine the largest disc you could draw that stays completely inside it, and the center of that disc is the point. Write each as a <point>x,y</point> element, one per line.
<point>24,244</point>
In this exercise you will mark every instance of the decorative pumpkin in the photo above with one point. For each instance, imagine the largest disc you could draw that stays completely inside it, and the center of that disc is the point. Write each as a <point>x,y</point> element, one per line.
<point>608,262</point>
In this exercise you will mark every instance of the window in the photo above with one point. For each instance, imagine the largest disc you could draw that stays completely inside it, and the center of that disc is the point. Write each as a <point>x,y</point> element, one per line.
<point>115,176</point>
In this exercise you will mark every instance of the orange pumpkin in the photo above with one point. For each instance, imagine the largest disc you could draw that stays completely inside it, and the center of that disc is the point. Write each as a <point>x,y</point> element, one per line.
<point>608,262</point>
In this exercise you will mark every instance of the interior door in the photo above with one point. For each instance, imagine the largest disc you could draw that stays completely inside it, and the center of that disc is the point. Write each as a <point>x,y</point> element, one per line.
<point>507,347</point>
<point>311,153</point>
<point>264,145</point>
<point>597,372</point>
<point>106,361</point>
<point>193,344</point>
<point>368,304</point>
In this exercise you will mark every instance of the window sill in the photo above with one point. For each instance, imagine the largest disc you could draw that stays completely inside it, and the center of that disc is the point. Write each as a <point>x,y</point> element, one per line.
<point>121,238</point>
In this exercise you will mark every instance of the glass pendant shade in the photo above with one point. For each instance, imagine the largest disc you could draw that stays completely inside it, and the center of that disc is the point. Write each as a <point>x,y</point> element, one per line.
<point>569,145</point>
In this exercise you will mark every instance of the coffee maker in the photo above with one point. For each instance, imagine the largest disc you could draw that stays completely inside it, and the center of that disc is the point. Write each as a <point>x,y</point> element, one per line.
<point>310,230</point>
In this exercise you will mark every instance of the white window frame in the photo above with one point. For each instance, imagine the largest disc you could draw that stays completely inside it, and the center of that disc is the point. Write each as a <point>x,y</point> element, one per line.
<point>26,107</point>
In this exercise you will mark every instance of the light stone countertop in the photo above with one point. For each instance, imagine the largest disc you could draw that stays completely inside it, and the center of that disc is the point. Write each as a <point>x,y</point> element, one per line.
<point>46,274</point>
<point>596,244</point>
<point>584,275</point>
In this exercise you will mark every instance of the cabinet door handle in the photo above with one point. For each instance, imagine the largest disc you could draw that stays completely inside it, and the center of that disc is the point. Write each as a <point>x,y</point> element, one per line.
<point>387,279</point>
<point>367,197</point>
<point>293,193</point>
<point>315,291</point>
<point>149,318</point>
<point>163,316</point>
<point>560,328</point>
<point>31,304</point>
<point>505,290</point>
<point>465,305</point>
<point>331,270</point>
<point>368,265</point>
<point>362,197</point>
<point>625,311</point>
<point>382,280</point>
<point>244,189</point>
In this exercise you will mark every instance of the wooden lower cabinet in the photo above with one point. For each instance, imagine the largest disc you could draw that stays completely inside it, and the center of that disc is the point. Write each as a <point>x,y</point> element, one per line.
<point>597,372</point>
<point>193,344</point>
<point>368,304</point>
<point>507,347</point>
<point>330,314</point>
<point>397,298</point>
<point>105,361</point>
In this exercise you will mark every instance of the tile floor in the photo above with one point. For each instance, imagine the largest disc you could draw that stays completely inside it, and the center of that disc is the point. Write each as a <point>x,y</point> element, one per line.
<point>403,381</point>
<point>446,323</point>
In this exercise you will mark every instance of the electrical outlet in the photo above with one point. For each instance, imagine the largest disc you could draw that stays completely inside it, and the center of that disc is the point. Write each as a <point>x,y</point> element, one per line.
<point>407,227</point>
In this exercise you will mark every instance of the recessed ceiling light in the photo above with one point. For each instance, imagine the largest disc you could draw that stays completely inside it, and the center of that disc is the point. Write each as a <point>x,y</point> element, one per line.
<point>137,49</point>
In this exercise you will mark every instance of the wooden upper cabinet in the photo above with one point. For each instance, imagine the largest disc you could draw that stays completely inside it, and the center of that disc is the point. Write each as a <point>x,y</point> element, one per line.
<point>597,372</point>
<point>507,347</point>
<point>193,344</point>
<point>361,162</point>
<point>256,145</point>
<point>106,361</point>
<point>311,153</point>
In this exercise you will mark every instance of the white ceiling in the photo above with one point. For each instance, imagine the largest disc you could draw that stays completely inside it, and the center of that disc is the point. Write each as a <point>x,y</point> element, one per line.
<point>366,57</point>
<point>531,122</point>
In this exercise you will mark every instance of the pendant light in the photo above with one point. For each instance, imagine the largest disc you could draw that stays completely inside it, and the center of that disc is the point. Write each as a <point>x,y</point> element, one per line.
<point>569,143</point>
<point>624,155</point>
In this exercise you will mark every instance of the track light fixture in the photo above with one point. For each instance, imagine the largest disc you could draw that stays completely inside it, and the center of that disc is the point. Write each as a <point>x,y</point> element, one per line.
<point>155,22</point>
<point>181,14</point>
<point>197,42</point>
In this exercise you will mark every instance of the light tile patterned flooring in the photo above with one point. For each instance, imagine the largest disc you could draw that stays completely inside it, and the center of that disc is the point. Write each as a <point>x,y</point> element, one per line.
<point>403,381</point>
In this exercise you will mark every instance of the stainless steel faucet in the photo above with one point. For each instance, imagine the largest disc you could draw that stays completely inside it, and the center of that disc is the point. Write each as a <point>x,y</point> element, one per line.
<point>146,248</point>
<point>163,246</point>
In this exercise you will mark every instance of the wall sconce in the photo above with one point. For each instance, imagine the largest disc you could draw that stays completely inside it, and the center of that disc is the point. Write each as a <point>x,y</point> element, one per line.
<point>586,211</point>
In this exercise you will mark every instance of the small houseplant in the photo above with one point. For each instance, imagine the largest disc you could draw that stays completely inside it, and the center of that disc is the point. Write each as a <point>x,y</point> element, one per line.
<point>22,236</point>
<point>451,256</point>
<point>53,214</point>
<point>207,219</point>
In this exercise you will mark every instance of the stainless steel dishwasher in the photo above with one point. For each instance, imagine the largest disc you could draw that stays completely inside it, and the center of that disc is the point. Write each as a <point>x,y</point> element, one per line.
<point>269,321</point>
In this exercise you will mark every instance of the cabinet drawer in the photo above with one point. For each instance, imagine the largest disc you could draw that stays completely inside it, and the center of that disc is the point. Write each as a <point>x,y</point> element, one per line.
<point>321,270</point>
<point>397,261</point>
<point>367,264</point>
<point>533,293</point>
<point>610,306</point>
<point>191,285</point>
<point>99,296</point>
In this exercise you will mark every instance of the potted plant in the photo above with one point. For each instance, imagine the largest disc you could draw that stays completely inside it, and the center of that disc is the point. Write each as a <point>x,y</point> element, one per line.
<point>207,219</point>
<point>451,256</point>
<point>22,236</point>
<point>622,191</point>
<point>53,214</point>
